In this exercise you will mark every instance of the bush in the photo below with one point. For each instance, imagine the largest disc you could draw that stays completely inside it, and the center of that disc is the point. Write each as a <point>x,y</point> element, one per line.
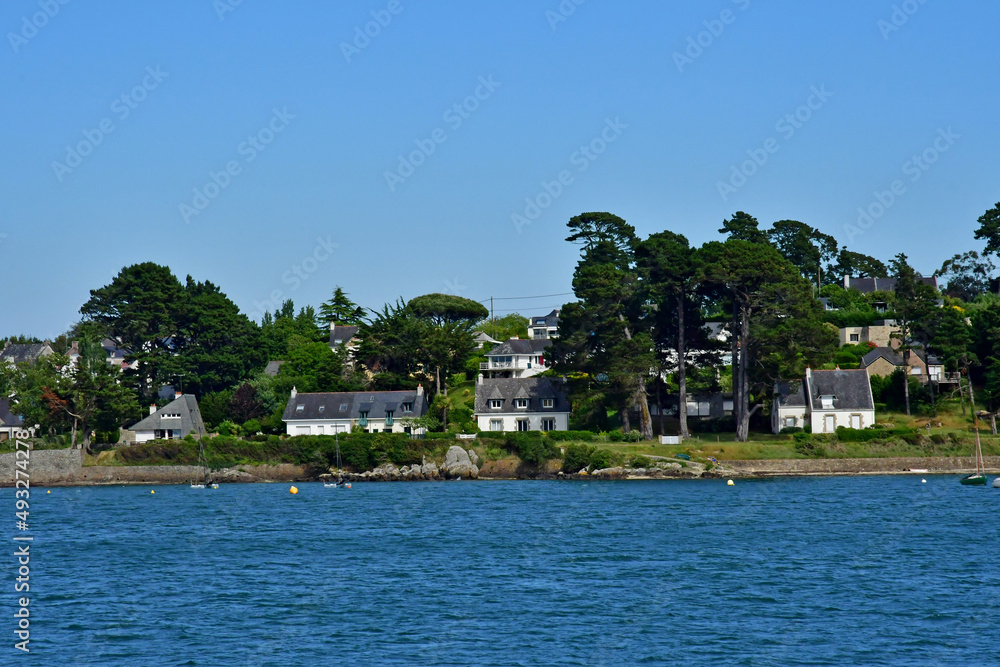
<point>639,461</point>
<point>563,436</point>
<point>251,426</point>
<point>790,429</point>
<point>577,457</point>
<point>228,428</point>
<point>603,458</point>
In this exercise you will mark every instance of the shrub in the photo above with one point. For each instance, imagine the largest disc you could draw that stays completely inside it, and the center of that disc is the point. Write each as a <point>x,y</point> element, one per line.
<point>563,436</point>
<point>577,457</point>
<point>615,435</point>
<point>251,426</point>
<point>228,428</point>
<point>790,430</point>
<point>603,458</point>
<point>639,461</point>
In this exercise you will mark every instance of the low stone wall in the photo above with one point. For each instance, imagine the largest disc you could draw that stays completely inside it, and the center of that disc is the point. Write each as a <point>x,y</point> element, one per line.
<point>64,467</point>
<point>885,466</point>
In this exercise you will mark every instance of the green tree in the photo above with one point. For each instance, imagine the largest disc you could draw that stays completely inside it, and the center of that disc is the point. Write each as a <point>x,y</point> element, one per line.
<point>857,265</point>
<point>506,327</point>
<point>803,246</point>
<point>744,227</point>
<point>339,310</point>
<point>606,332</point>
<point>914,303</point>
<point>775,322</point>
<point>968,275</point>
<point>989,230</point>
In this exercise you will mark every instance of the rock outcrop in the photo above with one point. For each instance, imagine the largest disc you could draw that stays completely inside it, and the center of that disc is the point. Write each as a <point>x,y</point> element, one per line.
<point>458,464</point>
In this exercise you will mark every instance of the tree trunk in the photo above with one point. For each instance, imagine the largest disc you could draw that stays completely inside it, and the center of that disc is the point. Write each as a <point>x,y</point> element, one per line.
<point>626,421</point>
<point>906,381</point>
<point>930,385</point>
<point>734,346</point>
<point>993,423</point>
<point>645,421</point>
<point>659,400</point>
<point>682,413</point>
<point>73,437</point>
<point>743,427</point>
<point>86,436</point>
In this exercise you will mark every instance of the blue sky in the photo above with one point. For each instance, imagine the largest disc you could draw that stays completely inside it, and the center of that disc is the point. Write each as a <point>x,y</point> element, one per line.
<point>666,98</point>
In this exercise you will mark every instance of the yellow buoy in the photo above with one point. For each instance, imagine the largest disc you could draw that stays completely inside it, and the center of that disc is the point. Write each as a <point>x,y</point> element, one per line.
<point>730,483</point>
<point>48,492</point>
<point>152,491</point>
<point>293,490</point>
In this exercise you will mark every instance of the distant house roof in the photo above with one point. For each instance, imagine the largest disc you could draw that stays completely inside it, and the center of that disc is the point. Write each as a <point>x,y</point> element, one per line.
<point>534,389</point>
<point>8,418</point>
<point>272,368</point>
<point>342,334</point>
<point>886,353</point>
<point>112,349</point>
<point>790,394</point>
<point>327,405</point>
<point>520,346</point>
<point>19,353</point>
<point>480,338</point>
<point>851,389</point>
<point>550,320</point>
<point>189,420</point>
<point>867,285</point>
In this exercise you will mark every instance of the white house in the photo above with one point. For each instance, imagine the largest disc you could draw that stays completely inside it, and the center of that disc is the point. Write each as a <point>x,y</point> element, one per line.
<point>519,404</point>
<point>517,358</point>
<point>544,327</point>
<point>328,413</point>
<point>174,420</point>
<point>825,400</point>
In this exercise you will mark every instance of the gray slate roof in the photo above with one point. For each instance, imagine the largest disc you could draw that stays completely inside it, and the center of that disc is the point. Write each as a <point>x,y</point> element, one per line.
<point>342,334</point>
<point>534,389</point>
<point>7,418</point>
<point>867,285</point>
<point>326,405</point>
<point>272,368</point>
<point>520,346</point>
<point>190,420</point>
<point>19,353</point>
<point>850,388</point>
<point>550,320</point>
<point>790,394</point>
<point>886,353</point>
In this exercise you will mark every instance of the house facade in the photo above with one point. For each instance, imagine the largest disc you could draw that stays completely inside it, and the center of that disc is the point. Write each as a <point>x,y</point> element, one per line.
<point>884,361</point>
<point>540,328</point>
<point>173,421</point>
<point>24,353</point>
<point>880,333</point>
<point>517,358</point>
<point>825,400</point>
<point>521,404</point>
<point>10,423</point>
<point>327,413</point>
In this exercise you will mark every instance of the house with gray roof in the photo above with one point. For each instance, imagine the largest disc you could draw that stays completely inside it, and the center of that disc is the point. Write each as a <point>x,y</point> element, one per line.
<point>869,285</point>
<point>24,353</point>
<point>521,404</point>
<point>174,420</point>
<point>825,400</point>
<point>326,413</point>
<point>10,423</point>
<point>543,327</point>
<point>516,358</point>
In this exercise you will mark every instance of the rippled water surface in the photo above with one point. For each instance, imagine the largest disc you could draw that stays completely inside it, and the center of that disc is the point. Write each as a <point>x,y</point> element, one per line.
<point>866,570</point>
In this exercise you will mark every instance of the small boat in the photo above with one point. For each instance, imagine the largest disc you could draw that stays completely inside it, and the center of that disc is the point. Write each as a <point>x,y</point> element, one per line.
<point>996,482</point>
<point>204,470</point>
<point>340,483</point>
<point>977,478</point>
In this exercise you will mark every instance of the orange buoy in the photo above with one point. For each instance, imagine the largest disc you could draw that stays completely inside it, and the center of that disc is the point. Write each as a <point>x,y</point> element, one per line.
<point>293,490</point>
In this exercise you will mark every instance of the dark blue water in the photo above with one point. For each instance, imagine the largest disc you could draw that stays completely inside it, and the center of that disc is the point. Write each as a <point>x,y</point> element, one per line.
<point>868,570</point>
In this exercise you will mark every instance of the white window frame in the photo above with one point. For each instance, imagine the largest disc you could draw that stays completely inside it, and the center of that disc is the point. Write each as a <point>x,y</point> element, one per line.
<point>521,403</point>
<point>549,424</point>
<point>548,403</point>
<point>496,403</point>
<point>496,425</point>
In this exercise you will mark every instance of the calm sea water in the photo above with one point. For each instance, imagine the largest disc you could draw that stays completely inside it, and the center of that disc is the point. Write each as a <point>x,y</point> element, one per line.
<point>866,570</point>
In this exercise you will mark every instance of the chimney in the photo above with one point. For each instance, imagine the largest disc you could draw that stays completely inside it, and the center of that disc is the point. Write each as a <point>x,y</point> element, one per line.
<point>420,390</point>
<point>479,379</point>
<point>294,392</point>
<point>74,348</point>
<point>152,408</point>
<point>177,395</point>
<point>847,282</point>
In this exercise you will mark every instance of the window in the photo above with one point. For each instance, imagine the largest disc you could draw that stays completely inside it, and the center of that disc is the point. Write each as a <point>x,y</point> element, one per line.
<point>343,407</point>
<point>727,406</point>
<point>299,409</point>
<point>388,417</point>
<point>855,338</point>
<point>548,402</point>
<point>789,422</point>
<point>407,430</point>
<point>521,403</point>
<point>407,407</point>
<point>540,333</point>
<point>496,424</point>
<point>699,408</point>
<point>371,399</point>
<point>522,424</point>
<point>548,424</point>
<point>363,420</point>
<point>322,409</point>
<point>826,401</point>
<point>855,421</point>
<point>496,403</point>
<point>539,320</point>
<point>916,370</point>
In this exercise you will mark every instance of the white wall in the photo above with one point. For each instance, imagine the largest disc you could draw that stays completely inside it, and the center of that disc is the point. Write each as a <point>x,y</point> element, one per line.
<point>331,426</point>
<point>534,420</point>
<point>778,419</point>
<point>840,419</point>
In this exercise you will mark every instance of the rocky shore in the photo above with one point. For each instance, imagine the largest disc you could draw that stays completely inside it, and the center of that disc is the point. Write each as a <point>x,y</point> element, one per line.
<point>66,467</point>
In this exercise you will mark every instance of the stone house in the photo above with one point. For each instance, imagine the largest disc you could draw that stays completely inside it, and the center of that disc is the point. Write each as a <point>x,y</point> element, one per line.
<point>521,404</point>
<point>824,400</point>
<point>327,413</point>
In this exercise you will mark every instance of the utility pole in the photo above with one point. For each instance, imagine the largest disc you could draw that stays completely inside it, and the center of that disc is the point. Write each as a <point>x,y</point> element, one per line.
<point>492,318</point>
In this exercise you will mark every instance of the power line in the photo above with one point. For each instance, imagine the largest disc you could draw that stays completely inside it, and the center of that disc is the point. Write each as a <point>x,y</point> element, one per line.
<point>515,298</point>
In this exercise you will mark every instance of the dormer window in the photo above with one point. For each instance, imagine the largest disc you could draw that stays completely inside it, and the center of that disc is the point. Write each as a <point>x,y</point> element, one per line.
<point>343,407</point>
<point>322,409</point>
<point>548,402</point>
<point>496,403</point>
<point>521,403</point>
<point>363,420</point>
<point>299,409</point>
<point>388,417</point>
<point>826,401</point>
<point>371,399</point>
<point>407,407</point>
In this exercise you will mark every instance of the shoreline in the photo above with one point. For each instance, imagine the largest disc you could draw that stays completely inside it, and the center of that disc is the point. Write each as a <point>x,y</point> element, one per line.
<point>64,468</point>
